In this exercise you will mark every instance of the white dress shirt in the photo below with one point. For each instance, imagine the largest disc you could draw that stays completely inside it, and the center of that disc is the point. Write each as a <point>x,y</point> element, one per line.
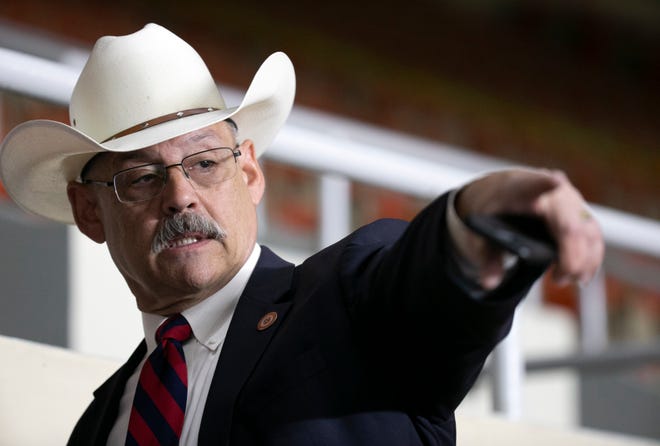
<point>209,321</point>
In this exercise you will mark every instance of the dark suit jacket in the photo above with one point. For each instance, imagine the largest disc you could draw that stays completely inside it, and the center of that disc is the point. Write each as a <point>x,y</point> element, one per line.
<point>375,343</point>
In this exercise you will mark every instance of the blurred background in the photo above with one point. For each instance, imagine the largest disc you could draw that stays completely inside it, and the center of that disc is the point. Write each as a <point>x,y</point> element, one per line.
<point>561,84</point>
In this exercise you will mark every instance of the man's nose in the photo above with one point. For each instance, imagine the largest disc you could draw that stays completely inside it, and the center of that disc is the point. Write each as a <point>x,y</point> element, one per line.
<point>179,192</point>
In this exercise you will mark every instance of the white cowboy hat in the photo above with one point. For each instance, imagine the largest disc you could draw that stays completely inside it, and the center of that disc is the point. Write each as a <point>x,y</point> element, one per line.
<point>135,91</point>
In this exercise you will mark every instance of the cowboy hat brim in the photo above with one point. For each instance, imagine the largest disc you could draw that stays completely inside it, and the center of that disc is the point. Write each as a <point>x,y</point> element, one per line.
<point>39,158</point>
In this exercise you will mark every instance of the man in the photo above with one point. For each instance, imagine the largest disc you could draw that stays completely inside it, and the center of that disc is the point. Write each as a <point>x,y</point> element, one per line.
<point>374,340</point>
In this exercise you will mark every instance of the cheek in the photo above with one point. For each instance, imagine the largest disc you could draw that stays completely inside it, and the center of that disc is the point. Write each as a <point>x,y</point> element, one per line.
<point>128,236</point>
<point>235,212</point>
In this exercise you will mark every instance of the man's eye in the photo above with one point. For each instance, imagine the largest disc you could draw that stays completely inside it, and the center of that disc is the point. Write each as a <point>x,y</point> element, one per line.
<point>144,180</point>
<point>205,164</point>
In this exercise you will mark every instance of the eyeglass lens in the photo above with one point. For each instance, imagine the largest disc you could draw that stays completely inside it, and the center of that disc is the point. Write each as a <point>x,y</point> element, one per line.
<point>203,169</point>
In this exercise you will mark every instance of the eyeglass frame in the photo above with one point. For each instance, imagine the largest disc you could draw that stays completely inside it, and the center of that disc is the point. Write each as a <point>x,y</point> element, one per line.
<point>235,153</point>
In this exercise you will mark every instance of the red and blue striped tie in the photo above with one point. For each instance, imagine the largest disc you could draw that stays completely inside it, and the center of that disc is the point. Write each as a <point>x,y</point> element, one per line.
<point>160,398</point>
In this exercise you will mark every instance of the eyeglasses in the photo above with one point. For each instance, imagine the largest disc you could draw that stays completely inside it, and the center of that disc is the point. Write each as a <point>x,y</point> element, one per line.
<point>204,169</point>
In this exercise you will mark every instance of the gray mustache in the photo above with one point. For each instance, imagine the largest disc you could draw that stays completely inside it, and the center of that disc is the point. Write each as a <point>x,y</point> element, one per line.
<point>180,225</point>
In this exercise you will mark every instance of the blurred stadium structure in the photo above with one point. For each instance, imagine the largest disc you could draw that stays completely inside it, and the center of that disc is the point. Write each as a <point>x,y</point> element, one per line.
<point>327,175</point>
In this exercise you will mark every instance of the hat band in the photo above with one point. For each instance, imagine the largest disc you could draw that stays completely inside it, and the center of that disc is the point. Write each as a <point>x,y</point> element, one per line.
<point>160,120</point>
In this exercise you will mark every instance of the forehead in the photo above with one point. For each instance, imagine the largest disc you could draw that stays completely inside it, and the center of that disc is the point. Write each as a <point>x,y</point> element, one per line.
<point>180,146</point>
<point>217,135</point>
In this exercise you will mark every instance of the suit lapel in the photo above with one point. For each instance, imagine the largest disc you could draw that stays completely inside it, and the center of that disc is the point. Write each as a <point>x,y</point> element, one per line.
<point>245,343</point>
<point>109,394</point>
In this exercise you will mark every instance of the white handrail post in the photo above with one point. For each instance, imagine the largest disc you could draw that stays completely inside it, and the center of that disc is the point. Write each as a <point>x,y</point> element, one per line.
<point>593,315</point>
<point>508,364</point>
<point>334,208</point>
<point>507,375</point>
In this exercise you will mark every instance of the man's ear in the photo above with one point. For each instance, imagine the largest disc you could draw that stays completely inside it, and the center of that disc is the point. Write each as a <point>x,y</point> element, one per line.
<point>84,204</point>
<point>251,171</point>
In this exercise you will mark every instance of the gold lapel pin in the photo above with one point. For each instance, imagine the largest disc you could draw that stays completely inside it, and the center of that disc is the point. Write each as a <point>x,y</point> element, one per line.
<point>266,320</point>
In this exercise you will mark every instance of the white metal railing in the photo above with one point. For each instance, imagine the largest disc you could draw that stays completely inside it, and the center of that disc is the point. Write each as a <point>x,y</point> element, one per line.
<point>35,76</point>
<point>349,153</point>
<point>342,152</point>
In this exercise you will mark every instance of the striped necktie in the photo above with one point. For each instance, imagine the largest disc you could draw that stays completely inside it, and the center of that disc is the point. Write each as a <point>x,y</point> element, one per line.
<point>160,398</point>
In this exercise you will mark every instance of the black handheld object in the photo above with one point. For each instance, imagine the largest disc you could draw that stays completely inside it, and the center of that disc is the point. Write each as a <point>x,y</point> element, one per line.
<point>525,236</point>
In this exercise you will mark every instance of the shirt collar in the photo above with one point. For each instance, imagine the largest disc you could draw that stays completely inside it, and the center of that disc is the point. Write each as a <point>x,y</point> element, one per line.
<point>210,318</point>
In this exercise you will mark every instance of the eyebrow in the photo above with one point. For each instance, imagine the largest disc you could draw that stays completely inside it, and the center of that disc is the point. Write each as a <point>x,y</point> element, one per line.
<point>139,155</point>
<point>197,137</point>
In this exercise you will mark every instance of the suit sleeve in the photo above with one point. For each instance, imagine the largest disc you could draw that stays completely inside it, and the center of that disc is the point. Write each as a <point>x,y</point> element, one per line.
<point>427,338</point>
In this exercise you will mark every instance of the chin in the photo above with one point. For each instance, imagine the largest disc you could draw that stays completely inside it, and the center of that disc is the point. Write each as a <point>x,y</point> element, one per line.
<point>199,281</point>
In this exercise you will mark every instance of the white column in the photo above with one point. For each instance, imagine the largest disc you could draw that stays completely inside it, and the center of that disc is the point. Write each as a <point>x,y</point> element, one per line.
<point>593,315</point>
<point>508,364</point>
<point>507,375</point>
<point>334,208</point>
<point>103,316</point>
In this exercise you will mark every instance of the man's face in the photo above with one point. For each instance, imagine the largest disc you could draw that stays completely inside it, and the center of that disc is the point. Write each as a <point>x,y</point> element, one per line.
<point>192,266</point>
